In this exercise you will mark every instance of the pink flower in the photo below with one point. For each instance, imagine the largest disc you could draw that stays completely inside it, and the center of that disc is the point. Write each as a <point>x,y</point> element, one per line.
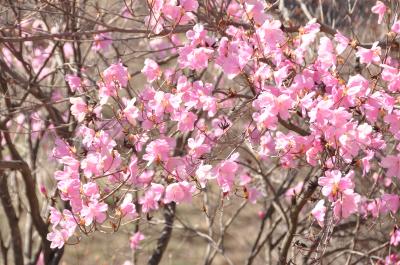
<point>380,9</point>
<point>253,194</point>
<point>179,192</point>
<point>197,146</point>
<point>150,199</point>
<point>391,202</point>
<point>368,56</point>
<point>189,5</point>
<point>186,120</point>
<point>346,205</point>
<point>91,190</point>
<point>57,238</point>
<point>342,41</point>
<point>392,164</point>
<point>116,75</point>
<point>396,27</point>
<point>319,212</point>
<point>128,209</point>
<point>270,34</point>
<point>74,82</point>
<point>159,150</point>
<point>203,174</point>
<point>151,70</point>
<point>395,237</point>
<point>94,211</point>
<point>225,175</point>
<point>102,42</point>
<point>135,240</point>
<point>333,183</point>
<point>194,58</point>
<point>294,191</point>
<point>55,216</point>
<point>326,53</point>
<point>79,108</point>
<point>131,112</point>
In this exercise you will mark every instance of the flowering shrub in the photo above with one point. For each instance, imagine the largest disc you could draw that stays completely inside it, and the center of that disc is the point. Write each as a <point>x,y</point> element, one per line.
<point>231,100</point>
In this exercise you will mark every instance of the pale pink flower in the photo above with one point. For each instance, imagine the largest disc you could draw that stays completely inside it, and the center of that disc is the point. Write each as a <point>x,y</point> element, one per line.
<point>55,216</point>
<point>391,202</point>
<point>116,76</point>
<point>371,55</point>
<point>179,192</point>
<point>197,146</point>
<point>396,27</point>
<point>380,9</point>
<point>128,209</point>
<point>95,211</point>
<point>57,238</point>
<point>347,204</point>
<point>319,212</point>
<point>74,82</point>
<point>151,70</point>
<point>135,240</point>
<point>226,175</point>
<point>102,42</point>
<point>159,150</point>
<point>294,191</point>
<point>342,41</point>
<point>395,237</point>
<point>151,198</point>
<point>91,190</point>
<point>392,164</point>
<point>131,112</point>
<point>333,183</point>
<point>270,34</point>
<point>79,108</point>
<point>186,120</point>
<point>203,174</point>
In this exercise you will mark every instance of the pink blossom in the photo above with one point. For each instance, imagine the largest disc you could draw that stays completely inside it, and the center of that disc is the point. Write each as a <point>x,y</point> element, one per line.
<point>347,204</point>
<point>55,216</point>
<point>333,183</point>
<point>294,191</point>
<point>57,238</point>
<point>396,27</point>
<point>197,146</point>
<point>150,199</point>
<point>270,34</point>
<point>91,190</point>
<point>131,112</point>
<point>74,82</point>
<point>94,211</point>
<point>319,212</point>
<point>151,70</point>
<point>395,237</point>
<point>342,41</point>
<point>204,173</point>
<point>79,108</point>
<point>371,55</point>
<point>179,192</point>
<point>102,42</point>
<point>380,9</point>
<point>116,76</point>
<point>391,202</point>
<point>159,150</point>
<point>128,209</point>
<point>225,175</point>
<point>186,120</point>
<point>194,58</point>
<point>392,164</point>
<point>135,240</point>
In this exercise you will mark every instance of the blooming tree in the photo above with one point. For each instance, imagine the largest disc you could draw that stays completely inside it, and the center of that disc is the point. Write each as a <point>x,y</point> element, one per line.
<point>118,117</point>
